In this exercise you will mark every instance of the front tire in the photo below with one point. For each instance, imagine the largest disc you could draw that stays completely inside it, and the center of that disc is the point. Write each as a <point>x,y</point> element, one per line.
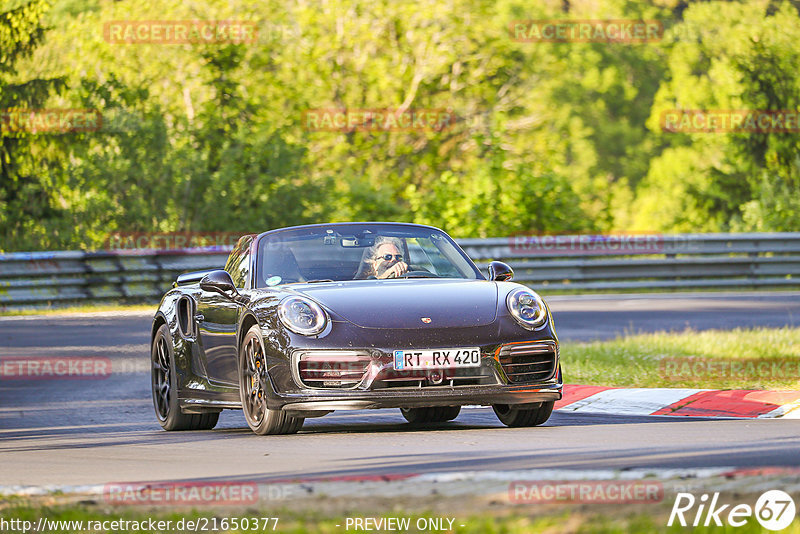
<point>253,387</point>
<point>430,414</point>
<point>530,415</point>
<point>164,383</point>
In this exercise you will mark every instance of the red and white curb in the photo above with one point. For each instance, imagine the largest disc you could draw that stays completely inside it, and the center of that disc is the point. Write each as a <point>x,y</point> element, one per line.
<point>755,404</point>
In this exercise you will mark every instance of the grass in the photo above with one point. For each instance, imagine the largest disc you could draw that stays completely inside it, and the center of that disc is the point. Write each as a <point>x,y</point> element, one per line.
<point>758,358</point>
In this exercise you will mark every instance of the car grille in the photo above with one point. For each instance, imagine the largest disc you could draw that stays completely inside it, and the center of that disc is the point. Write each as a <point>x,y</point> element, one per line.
<point>528,362</point>
<point>331,369</point>
<point>434,378</point>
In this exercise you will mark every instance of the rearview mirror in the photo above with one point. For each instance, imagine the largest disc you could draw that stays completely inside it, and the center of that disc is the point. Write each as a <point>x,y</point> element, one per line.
<point>500,272</point>
<point>351,241</point>
<point>219,281</point>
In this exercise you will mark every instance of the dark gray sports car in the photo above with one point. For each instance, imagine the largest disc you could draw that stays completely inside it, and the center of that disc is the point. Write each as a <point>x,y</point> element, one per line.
<point>311,319</point>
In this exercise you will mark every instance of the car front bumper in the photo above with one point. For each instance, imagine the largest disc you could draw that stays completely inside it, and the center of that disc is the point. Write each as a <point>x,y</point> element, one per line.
<point>512,371</point>
<point>486,395</point>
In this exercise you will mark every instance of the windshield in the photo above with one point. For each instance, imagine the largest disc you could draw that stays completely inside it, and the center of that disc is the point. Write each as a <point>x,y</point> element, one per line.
<point>359,252</point>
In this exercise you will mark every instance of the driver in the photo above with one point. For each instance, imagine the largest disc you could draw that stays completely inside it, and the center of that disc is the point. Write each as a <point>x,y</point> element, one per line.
<point>384,259</point>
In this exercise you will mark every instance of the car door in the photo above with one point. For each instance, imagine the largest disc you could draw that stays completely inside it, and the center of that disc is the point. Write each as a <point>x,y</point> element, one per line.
<point>218,318</point>
<point>217,329</point>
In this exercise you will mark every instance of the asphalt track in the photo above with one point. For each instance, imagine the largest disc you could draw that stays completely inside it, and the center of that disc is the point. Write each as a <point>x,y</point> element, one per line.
<point>79,432</point>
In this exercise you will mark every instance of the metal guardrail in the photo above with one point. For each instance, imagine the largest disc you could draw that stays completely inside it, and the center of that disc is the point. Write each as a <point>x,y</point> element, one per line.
<point>549,263</point>
<point>663,262</point>
<point>34,279</point>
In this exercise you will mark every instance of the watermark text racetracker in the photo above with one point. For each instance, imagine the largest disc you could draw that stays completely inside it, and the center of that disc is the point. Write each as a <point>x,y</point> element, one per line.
<point>180,31</point>
<point>55,368</point>
<point>35,367</point>
<point>196,493</point>
<point>599,244</point>
<point>170,240</point>
<point>699,370</point>
<point>377,120</point>
<point>586,491</point>
<point>49,121</point>
<point>184,493</point>
<point>586,31</point>
<point>730,121</point>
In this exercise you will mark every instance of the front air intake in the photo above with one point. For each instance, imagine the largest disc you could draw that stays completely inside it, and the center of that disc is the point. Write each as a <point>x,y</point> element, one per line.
<point>529,362</point>
<point>331,368</point>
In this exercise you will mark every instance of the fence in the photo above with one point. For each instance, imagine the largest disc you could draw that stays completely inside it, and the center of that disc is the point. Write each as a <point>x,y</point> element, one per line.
<point>34,279</point>
<point>550,264</point>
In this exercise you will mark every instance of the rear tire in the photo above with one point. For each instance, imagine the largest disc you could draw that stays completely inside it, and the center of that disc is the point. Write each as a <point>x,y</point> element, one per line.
<point>530,415</point>
<point>253,388</point>
<point>164,383</point>
<point>430,414</point>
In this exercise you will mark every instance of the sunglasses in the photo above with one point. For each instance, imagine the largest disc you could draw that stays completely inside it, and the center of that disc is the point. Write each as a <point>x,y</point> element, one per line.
<point>388,257</point>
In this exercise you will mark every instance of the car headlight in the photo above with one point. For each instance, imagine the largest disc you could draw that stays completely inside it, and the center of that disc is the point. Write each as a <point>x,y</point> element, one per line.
<point>527,308</point>
<point>302,316</point>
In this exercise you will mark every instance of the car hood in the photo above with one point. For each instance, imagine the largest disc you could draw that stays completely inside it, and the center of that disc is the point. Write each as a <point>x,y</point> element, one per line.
<point>404,303</point>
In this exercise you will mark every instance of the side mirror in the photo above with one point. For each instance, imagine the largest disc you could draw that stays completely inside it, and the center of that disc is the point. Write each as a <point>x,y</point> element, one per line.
<point>219,281</point>
<point>500,272</point>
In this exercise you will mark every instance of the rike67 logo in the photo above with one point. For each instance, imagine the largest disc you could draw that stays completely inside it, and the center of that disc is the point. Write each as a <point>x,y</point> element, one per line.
<point>774,510</point>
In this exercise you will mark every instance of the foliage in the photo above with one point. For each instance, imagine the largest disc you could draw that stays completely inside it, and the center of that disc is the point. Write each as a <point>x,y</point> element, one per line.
<point>550,137</point>
<point>740,56</point>
<point>27,191</point>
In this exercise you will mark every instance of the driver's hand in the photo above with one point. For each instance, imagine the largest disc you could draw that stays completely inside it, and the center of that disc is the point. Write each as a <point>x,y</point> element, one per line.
<point>396,270</point>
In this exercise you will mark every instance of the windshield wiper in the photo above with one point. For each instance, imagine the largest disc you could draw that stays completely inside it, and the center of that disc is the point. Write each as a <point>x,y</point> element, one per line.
<point>318,281</point>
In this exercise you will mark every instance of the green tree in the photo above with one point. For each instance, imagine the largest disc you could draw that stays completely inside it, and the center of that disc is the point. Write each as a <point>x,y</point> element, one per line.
<point>26,192</point>
<point>728,55</point>
<point>550,137</point>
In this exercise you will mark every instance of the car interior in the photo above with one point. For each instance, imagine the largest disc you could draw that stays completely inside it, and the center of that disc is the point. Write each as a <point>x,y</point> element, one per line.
<point>318,261</point>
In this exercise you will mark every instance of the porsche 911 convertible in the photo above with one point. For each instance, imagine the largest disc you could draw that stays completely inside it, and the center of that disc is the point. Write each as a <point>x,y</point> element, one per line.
<point>348,316</point>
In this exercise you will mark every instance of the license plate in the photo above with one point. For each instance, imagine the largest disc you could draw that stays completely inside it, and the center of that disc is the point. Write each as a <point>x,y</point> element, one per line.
<point>436,358</point>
